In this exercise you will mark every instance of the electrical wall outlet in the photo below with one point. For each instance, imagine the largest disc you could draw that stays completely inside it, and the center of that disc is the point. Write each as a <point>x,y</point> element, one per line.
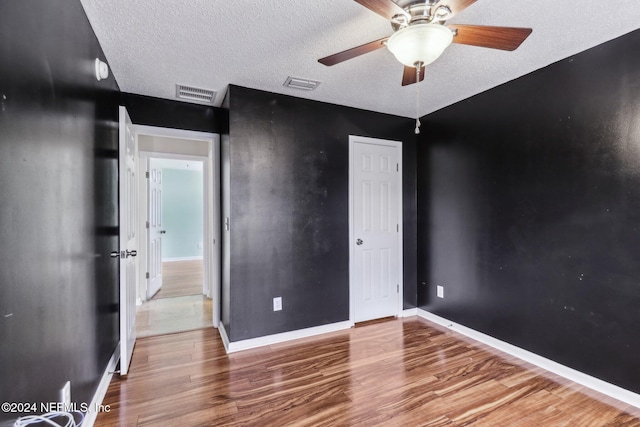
<point>277,304</point>
<point>440,291</point>
<point>65,394</point>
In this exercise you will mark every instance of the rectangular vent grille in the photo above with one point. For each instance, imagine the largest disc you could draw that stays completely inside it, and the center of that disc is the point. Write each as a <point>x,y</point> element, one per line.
<point>302,84</point>
<point>195,94</point>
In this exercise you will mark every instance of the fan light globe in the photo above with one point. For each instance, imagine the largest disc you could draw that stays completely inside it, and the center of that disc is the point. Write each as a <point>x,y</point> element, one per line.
<point>419,43</point>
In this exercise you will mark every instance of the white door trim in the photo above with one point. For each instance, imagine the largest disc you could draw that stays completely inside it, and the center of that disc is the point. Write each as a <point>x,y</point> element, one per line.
<point>398,145</point>
<point>211,172</point>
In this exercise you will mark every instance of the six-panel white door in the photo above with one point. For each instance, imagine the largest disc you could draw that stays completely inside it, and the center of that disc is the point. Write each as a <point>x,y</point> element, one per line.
<point>375,229</point>
<point>128,237</point>
<point>154,243</point>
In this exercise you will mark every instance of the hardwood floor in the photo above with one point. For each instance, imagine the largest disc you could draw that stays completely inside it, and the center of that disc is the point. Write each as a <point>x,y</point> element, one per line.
<point>181,278</point>
<point>397,373</point>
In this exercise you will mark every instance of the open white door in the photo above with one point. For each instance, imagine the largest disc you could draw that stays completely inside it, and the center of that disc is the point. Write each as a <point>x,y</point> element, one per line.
<point>376,238</point>
<point>154,221</point>
<point>128,216</point>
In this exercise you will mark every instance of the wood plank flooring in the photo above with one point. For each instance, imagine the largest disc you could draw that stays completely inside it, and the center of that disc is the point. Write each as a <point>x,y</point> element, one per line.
<point>397,373</point>
<point>181,278</point>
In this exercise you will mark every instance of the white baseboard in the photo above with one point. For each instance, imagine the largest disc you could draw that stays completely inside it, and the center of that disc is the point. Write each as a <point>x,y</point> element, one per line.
<point>593,383</point>
<point>224,337</point>
<point>232,347</point>
<point>101,391</point>
<point>409,312</point>
<point>187,258</point>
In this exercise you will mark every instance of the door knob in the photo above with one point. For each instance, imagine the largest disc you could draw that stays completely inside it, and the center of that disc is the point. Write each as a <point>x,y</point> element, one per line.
<point>163,231</point>
<point>359,242</point>
<point>114,254</point>
<point>132,253</point>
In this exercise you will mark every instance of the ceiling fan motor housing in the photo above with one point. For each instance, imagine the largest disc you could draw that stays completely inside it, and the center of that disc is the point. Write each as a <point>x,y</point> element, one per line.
<point>420,12</point>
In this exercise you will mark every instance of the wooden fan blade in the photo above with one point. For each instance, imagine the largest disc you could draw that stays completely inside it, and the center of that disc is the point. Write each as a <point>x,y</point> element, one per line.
<point>352,53</point>
<point>504,38</point>
<point>385,8</point>
<point>456,6</point>
<point>409,75</point>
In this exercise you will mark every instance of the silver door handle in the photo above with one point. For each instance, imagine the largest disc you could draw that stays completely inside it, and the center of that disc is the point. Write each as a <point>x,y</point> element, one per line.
<point>114,254</point>
<point>359,242</point>
<point>163,231</point>
<point>132,253</point>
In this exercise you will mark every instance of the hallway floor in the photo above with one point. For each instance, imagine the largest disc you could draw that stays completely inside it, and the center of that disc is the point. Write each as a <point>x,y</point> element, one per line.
<point>169,315</point>
<point>179,305</point>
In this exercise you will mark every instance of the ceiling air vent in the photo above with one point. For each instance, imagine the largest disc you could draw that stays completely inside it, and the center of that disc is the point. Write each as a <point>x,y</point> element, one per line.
<point>195,94</point>
<point>302,84</point>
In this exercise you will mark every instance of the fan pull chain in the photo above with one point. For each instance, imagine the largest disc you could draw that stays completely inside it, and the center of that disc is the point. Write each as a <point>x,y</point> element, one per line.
<point>418,124</point>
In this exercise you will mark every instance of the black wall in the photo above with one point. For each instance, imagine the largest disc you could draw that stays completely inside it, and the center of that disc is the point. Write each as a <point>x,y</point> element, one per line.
<point>151,111</point>
<point>287,168</point>
<point>58,204</point>
<point>529,212</point>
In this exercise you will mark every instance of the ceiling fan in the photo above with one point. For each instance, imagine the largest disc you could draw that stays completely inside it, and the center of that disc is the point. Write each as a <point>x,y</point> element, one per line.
<point>420,35</point>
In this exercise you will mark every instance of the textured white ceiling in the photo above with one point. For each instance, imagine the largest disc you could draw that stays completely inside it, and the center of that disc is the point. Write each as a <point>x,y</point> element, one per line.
<point>153,44</point>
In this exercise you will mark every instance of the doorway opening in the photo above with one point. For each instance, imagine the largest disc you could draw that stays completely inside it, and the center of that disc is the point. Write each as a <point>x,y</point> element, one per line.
<point>179,257</point>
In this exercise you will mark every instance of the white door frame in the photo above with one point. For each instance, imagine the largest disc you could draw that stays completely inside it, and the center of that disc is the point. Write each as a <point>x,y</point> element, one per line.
<point>353,139</point>
<point>211,223</point>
